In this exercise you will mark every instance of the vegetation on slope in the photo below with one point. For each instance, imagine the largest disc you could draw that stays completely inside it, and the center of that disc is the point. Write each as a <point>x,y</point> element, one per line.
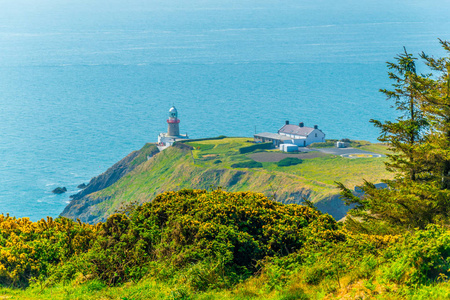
<point>195,244</point>
<point>32,250</point>
<point>217,162</point>
<point>216,239</point>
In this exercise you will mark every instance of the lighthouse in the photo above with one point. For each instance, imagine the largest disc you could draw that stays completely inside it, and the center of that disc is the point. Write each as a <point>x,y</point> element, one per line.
<point>166,139</point>
<point>173,122</point>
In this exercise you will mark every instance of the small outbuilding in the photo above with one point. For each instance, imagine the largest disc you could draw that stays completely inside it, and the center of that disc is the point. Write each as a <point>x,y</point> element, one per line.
<point>341,144</point>
<point>288,147</point>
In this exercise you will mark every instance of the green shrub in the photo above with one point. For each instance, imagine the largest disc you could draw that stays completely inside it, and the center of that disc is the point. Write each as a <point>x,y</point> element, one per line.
<point>297,294</point>
<point>209,240</point>
<point>315,274</point>
<point>247,164</point>
<point>220,137</point>
<point>179,294</point>
<point>190,229</point>
<point>146,151</point>
<point>208,274</point>
<point>95,285</point>
<point>423,257</point>
<point>289,161</point>
<point>326,144</point>
<point>257,146</point>
<point>367,266</point>
<point>34,250</point>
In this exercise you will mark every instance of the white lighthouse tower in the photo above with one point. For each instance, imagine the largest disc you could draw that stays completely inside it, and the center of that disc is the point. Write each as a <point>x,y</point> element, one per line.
<point>173,121</point>
<point>166,139</point>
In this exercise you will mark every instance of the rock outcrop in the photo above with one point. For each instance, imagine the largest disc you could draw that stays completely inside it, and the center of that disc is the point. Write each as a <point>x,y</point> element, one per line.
<point>59,190</point>
<point>81,204</point>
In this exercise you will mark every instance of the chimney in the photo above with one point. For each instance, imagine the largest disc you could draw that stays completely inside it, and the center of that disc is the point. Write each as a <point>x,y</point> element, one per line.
<point>301,124</point>
<point>287,122</point>
<point>316,127</point>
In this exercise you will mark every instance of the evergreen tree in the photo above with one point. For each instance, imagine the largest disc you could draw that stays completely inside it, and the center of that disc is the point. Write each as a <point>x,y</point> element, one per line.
<point>435,102</point>
<point>405,135</point>
<point>419,140</point>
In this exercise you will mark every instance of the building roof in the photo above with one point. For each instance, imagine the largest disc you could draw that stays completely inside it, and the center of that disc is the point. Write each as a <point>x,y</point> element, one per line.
<point>173,113</point>
<point>295,129</point>
<point>274,136</point>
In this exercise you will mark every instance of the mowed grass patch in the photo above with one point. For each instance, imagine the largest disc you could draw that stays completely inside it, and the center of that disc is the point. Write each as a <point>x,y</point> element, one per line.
<point>316,166</point>
<point>226,150</point>
<point>222,146</point>
<point>200,146</point>
<point>348,171</point>
<point>331,168</point>
<point>275,156</point>
<point>377,148</point>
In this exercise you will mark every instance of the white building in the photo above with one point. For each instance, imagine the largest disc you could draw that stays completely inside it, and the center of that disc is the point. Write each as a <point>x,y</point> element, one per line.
<point>289,134</point>
<point>301,135</point>
<point>166,139</point>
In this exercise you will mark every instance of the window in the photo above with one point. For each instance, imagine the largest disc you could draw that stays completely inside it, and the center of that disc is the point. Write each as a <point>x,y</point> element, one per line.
<point>316,134</point>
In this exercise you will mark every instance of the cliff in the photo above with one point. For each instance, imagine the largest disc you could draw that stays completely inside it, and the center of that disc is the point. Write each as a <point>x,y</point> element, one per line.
<point>209,164</point>
<point>80,205</point>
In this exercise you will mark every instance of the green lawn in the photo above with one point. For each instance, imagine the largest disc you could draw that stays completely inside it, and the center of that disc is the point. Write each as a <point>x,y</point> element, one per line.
<point>326,169</point>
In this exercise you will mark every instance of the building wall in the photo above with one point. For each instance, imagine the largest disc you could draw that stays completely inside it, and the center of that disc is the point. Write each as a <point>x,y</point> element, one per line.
<point>267,140</point>
<point>316,136</point>
<point>173,129</point>
<point>259,139</point>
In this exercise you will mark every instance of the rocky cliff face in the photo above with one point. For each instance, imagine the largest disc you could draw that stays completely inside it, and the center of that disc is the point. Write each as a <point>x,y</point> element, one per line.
<point>114,173</point>
<point>82,205</point>
<point>83,209</point>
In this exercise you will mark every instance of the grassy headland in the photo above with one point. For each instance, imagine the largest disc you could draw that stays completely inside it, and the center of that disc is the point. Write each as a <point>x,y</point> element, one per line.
<point>210,163</point>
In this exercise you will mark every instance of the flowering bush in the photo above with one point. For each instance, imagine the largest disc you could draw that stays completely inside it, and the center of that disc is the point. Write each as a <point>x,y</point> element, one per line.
<point>30,249</point>
<point>192,226</point>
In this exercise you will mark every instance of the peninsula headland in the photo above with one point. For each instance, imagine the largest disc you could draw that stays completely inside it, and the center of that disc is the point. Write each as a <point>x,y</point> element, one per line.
<point>233,165</point>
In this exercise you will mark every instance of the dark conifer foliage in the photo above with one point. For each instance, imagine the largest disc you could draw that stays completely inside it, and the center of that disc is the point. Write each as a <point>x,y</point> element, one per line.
<point>405,134</point>
<point>436,107</point>
<point>419,140</point>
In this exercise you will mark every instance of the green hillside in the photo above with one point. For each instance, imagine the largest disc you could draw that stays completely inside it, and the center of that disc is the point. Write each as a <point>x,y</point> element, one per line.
<point>195,244</point>
<point>230,164</point>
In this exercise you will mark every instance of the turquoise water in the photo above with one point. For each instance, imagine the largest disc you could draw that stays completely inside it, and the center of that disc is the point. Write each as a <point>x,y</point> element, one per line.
<point>83,83</point>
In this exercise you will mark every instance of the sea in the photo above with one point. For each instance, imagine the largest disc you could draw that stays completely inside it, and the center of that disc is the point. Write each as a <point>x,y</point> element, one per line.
<point>85,82</point>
